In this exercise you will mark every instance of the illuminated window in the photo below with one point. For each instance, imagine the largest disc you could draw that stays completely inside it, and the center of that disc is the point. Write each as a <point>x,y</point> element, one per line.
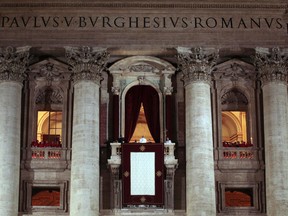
<point>234,119</point>
<point>49,126</point>
<point>234,126</point>
<point>45,196</point>
<point>239,197</point>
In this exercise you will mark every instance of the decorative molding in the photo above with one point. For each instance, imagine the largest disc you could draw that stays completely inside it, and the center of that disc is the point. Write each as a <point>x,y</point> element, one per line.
<point>87,63</point>
<point>143,68</point>
<point>234,97</point>
<point>168,90</point>
<point>49,96</point>
<point>272,65</point>
<point>196,64</point>
<point>236,72</point>
<point>14,63</point>
<point>115,90</point>
<point>146,5</point>
<point>49,72</point>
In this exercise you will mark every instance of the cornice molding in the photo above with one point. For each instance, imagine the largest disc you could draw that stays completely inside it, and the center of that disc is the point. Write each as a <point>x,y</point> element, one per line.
<point>147,5</point>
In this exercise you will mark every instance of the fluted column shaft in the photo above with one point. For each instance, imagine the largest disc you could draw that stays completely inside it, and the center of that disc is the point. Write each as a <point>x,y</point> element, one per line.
<point>12,69</point>
<point>273,75</point>
<point>200,177</point>
<point>85,174</point>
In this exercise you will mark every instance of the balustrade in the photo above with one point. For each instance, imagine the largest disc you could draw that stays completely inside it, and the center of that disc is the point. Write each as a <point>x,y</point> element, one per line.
<point>238,154</point>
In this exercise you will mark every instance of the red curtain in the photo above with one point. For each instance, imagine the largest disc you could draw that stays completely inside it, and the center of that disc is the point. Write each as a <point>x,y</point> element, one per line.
<point>150,99</point>
<point>132,109</point>
<point>169,113</point>
<point>116,117</point>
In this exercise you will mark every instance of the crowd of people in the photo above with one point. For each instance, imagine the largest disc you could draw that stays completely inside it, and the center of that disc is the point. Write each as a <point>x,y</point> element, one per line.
<point>237,144</point>
<point>46,144</point>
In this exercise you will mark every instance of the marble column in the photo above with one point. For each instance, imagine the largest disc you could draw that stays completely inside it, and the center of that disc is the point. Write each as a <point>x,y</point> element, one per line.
<point>196,66</point>
<point>272,67</point>
<point>87,64</point>
<point>13,64</point>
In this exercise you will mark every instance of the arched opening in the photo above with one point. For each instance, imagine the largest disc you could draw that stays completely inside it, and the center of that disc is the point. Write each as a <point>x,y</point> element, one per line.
<point>234,126</point>
<point>49,126</point>
<point>142,114</point>
<point>234,119</point>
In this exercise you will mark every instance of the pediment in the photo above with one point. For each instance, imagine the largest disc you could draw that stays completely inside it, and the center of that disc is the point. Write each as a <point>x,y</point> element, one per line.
<point>49,66</point>
<point>142,64</point>
<point>234,69</point>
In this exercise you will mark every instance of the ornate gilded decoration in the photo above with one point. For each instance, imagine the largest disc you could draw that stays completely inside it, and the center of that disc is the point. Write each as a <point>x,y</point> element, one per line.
<point>126,174</point>
<point>158,173</point>
<point>87,63</point>
<point>142,199</point>
<point>13,63</point>
<point>271,64</point>
<point>142,148</point>
<point>196,64</point>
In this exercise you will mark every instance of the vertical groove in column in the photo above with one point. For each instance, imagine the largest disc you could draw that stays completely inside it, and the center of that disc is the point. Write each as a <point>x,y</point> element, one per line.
<point>200,180</point>
<point>85,150</point>
<point>10,121</point>
<point>276,147</point>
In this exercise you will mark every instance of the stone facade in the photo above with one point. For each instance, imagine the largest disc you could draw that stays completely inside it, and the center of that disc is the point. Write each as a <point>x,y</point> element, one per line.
<point>202,58</point>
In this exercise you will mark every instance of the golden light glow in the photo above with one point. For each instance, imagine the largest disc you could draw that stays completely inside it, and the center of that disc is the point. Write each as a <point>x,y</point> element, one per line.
<point>234,126</point>
<point>49,123</point>
<point>142,128</point>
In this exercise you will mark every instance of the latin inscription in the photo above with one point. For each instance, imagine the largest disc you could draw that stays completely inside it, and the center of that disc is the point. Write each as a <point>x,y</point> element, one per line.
<point>143,22</point>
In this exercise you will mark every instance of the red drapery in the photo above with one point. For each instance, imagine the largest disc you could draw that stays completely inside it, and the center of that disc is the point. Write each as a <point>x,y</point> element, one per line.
<point>150,99</point>
<point>116,116</point>
<point>169,113</point>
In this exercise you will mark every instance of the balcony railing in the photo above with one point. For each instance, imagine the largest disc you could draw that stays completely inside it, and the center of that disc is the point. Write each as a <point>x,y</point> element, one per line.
<point>238,153</point>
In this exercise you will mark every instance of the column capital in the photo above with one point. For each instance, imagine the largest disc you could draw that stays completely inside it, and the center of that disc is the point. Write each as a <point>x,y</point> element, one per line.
<point>13,63</point>
<point>271,64</point>
<point>196,64</point>
<point>87,63</point>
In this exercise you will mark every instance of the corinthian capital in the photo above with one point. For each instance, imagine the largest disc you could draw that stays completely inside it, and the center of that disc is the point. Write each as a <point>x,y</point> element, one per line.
<point>196,64</point>
<point>13,63</point>
<point>87,63</point>
<point>271,64</point>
